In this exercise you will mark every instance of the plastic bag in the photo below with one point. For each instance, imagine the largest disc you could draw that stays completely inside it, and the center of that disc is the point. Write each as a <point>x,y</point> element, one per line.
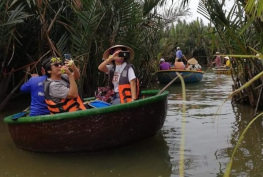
<point>105,94</point>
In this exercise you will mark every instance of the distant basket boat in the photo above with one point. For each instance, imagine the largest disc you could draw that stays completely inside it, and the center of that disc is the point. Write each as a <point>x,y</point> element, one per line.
<point>222,70</point>
<point>92,129</point>
<point>190,76</point>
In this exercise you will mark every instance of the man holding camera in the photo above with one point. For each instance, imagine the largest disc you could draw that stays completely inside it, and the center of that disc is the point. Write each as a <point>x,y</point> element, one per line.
<point>121,73</point>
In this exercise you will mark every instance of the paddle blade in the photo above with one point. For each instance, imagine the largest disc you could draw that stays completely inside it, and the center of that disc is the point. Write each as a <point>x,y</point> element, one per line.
<point>18,115</point>
<point>99,104</point>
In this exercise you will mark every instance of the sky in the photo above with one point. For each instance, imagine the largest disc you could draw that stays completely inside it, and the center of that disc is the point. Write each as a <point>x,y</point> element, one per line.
<point>193,9</point>
<point>193,5</point>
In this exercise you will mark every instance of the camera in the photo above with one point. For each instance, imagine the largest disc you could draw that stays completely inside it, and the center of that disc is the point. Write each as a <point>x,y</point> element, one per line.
<point>67,56</point>
<point>124,54</point>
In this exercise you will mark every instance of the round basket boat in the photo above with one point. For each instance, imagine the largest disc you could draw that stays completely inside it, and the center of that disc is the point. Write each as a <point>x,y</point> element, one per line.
<point>189,76</point>
<point>223,71</point>
<point>93,129</point>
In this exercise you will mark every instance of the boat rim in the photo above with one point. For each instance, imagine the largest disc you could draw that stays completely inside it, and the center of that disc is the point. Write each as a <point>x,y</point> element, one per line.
<point>222,69</point>
<point>89,112</point>
<point>180,70</point>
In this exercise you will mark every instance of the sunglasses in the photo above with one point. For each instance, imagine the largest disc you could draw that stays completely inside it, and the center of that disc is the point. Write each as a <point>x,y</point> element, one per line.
<point>57,64</point>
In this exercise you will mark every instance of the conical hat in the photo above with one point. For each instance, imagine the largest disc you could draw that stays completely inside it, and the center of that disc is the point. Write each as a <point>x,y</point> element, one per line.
<point>107,52</point>
<point>192,61</point>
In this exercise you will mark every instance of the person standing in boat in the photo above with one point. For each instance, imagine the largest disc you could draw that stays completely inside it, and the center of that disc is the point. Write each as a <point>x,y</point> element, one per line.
<point>217,61</point>
<point>164,65</point>
<point>179,55</point>
<point>61,91</point>
<point>122,75</point>
<point>35,86</point>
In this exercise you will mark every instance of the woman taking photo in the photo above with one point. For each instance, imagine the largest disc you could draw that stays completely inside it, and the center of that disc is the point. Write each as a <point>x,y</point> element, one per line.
<point>122,76</point>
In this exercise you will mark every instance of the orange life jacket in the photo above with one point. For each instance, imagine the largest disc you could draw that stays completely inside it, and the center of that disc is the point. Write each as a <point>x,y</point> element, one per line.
<point>125,87</point>
<point>179,65</point>
<point>65,105</point>
<point>125,92</point>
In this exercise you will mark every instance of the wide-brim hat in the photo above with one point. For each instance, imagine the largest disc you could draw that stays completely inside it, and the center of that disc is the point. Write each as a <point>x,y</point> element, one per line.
<point>226,57</point>
<point>107,52</point>
<point>192,61</point>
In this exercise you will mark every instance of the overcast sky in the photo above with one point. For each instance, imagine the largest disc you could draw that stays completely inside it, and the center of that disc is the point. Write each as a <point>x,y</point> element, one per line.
<point>193,9</point>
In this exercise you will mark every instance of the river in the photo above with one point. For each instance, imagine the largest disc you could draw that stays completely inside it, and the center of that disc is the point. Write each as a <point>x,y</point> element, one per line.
<point>205,137</point>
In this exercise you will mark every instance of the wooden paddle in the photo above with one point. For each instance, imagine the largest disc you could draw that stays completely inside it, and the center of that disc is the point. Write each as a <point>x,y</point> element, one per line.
<point>210,66</point>
<point>21,114</point>
<point>86,102</point>
<point>170,83</point>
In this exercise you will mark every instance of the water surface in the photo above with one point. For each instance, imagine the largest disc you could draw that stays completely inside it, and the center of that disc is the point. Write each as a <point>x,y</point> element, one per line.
<point>209,140</point>
<point>212,127</point>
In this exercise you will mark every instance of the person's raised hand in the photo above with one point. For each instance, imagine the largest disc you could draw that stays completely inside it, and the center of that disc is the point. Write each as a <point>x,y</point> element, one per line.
<point>70,63</point>
<point>116,54</point>
<point>65,70</point>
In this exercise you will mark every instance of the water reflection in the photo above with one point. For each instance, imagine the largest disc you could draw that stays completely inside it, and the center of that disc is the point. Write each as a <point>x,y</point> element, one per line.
<point>248,159</point>
<point>210,139</point>
<point>145,158</point>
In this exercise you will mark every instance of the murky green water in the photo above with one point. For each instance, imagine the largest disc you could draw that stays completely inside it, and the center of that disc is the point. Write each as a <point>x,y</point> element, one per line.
<point>208,142</point>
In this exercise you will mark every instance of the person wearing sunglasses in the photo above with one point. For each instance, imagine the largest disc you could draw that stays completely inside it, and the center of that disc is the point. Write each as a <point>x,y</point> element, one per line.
<point>60,88</point>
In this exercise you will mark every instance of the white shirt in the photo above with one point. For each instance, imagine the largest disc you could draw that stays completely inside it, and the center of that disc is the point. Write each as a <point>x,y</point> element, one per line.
<point>118,71</point>
<point>196,67</point>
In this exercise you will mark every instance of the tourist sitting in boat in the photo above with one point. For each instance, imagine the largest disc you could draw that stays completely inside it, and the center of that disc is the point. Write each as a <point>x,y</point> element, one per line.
<point>61,90</point>
<point>217,61</point>
<point>164,65</point>
<point>35,86</point>
<point>228,63</point>
<point>193,64</point>
<point>179,64</point>
<point>124,82</point>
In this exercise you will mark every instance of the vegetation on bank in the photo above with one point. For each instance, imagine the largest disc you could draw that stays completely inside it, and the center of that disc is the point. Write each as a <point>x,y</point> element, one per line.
<point>30,30</point>
<point>240,32</point>
<point>233,30</point>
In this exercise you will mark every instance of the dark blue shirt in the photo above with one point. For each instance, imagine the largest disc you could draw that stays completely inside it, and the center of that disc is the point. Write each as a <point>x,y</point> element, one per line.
<point>35,86</point>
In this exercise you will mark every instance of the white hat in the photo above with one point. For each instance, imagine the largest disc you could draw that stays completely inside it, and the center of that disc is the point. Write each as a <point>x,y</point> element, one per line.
<point>162,60</point>
<point>178,48</point>
<point>217,52</point>
<point>226,57</point>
